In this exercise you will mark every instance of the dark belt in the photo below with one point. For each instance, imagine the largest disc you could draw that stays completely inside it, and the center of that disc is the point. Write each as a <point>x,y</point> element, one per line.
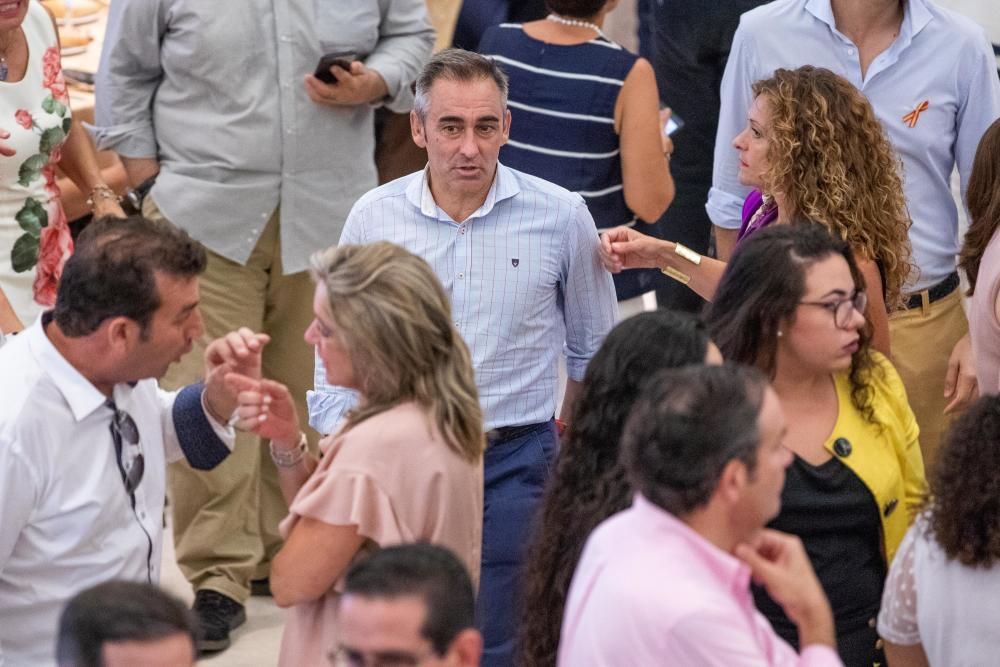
<point>503,433</point>
<point>936,292</point>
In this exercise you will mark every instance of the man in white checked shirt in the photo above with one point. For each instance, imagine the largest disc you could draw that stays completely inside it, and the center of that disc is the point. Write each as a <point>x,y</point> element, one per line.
<point>518,258</point>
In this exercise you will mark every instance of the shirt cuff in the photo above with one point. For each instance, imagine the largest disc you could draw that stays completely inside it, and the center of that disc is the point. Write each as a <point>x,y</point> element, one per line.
<point>204,442</point>
<point>724,209</point>
<point>134,140</point>
<point>398,98</point>
<point>328,408</point>
<point>819,655</point>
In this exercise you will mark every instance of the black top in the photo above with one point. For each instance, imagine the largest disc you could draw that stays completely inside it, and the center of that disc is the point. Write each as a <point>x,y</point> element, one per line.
<point>835,515</point>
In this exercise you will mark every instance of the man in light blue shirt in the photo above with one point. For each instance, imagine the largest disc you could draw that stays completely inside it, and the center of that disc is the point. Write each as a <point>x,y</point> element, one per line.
<point>931,78</point>
<point>518,257</point>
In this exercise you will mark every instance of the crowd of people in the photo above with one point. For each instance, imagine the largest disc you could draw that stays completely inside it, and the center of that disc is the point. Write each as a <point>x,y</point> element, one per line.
<point>350,392</point>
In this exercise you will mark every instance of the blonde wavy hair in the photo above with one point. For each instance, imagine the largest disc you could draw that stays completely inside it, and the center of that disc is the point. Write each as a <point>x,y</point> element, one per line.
<point>394,320</point>
<point>831,160</point>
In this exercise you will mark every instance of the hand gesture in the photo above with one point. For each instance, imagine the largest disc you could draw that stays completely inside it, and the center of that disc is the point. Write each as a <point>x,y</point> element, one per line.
<point>960,383</point>
<point>239,352</point>
<point>780,564</point>
<point>625,248</point>
<point>264,407</point>
<point>359,85</point>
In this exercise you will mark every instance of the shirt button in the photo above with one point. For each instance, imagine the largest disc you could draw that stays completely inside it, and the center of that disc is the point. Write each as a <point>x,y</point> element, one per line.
<point>142,515</point>
<point>461,275</point>
<point>850,52</point>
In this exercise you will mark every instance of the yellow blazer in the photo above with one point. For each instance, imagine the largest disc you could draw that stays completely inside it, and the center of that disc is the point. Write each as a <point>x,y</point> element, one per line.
<point>885,456</point>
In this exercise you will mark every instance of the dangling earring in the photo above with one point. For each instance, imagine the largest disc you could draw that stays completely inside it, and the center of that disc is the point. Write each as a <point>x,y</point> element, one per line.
<point>780,334</point>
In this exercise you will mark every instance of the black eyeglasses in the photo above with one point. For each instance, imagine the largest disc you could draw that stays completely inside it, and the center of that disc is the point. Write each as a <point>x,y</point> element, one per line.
<point>131,463</point>
<point>843,309</point>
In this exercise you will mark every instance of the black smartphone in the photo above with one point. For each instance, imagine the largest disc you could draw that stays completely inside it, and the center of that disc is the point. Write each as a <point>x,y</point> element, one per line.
<point>342,59</point>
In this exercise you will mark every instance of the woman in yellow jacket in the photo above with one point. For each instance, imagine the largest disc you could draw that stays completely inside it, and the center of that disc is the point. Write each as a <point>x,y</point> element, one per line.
<point>791,303</point>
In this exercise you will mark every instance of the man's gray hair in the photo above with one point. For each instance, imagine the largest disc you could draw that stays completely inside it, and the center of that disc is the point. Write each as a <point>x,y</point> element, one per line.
<point>457,65</point>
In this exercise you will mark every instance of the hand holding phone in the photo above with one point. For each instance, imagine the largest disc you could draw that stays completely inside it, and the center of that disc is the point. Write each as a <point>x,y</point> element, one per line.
<point>342,59</point>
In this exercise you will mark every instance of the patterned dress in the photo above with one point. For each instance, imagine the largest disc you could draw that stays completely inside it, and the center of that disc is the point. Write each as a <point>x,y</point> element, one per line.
<point>34,234</point>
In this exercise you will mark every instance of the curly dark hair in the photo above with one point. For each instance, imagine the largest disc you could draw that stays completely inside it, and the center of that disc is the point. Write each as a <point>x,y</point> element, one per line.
<point>763,285</point>
<point>589,483</point>
<point>964,501</point>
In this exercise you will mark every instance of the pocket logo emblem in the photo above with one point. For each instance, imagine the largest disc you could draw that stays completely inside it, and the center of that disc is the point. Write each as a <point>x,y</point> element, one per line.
<point>514,261</point>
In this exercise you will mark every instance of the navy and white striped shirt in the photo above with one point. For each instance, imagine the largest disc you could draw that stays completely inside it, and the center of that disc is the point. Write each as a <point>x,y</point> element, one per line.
<point>524,279</point>
<point>562,105</point>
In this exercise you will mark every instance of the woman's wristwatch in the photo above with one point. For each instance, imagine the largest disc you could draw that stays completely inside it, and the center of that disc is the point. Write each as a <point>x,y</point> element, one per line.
<point>289,458</point>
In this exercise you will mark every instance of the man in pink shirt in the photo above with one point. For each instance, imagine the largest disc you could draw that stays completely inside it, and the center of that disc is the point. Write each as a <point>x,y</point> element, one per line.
<point>666,582</point>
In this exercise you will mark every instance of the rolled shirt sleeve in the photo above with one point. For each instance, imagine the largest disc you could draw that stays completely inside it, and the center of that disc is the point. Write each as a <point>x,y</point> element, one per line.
<point>590,307</point>
<point>980,105</point>
<point>725,199</point>
<point>127,79</point>
<point>404,45</point>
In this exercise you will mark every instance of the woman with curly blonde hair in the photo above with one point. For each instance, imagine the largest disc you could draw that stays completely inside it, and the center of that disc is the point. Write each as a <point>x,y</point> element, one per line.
<point>814,150</point>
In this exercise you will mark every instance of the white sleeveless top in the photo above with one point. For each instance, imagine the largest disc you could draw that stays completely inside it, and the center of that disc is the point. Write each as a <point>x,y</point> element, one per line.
<point>35,111</point>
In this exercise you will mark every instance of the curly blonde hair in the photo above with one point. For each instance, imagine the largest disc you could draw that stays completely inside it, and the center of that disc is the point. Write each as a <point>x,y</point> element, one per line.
<point>832,162</point>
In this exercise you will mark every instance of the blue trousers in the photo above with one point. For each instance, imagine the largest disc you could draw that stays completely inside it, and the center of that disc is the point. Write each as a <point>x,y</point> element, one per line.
<point>515,472</point>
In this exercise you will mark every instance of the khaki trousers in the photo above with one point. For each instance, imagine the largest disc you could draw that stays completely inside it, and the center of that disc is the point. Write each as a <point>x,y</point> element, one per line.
<point>226,520</point>
<point>922,340</point>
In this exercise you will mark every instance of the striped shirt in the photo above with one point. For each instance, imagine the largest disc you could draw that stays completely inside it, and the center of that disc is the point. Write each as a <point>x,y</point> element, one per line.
<point>562,105</point>
<point>524,279</point>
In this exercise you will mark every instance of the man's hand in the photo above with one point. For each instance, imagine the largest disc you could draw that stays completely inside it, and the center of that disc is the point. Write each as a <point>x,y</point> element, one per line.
<point>265,407</point>
<point>960,384</point>
<point>625,248</point>
<point>236,352</point>
<point>359,85</point>
<point>779,563</point>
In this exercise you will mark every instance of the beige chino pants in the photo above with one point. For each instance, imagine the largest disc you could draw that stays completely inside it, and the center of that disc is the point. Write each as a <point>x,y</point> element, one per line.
<point>226,519</point>
<point>922,340</point>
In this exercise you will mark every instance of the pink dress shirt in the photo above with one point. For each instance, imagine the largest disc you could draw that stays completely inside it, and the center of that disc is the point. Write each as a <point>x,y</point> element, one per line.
<point>651,591</point>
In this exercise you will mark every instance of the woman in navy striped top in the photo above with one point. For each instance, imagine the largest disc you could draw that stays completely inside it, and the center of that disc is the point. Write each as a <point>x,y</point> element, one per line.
<point>585,116</point>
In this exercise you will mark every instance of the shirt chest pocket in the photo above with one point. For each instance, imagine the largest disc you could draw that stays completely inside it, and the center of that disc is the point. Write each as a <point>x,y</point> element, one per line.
<point>347,25</point>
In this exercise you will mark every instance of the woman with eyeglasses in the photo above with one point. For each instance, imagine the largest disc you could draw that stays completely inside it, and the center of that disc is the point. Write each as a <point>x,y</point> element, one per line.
<point>791,303</point>
<point>406,464</point>
<point>812,148</point>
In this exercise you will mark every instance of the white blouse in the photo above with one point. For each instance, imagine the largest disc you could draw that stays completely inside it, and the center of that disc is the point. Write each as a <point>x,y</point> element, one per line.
<point>950,608</point>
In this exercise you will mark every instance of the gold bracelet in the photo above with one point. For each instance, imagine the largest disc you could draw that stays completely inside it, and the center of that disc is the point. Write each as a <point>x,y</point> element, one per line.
<point>687,253</point>
<point>679,276</point>
<point>101,192</point>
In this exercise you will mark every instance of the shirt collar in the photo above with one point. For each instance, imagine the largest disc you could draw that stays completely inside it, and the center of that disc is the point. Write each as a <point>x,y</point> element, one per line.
<point>916,16</point>
<point>733,573</point>
<point>504,186</point>
<point>82,397</point>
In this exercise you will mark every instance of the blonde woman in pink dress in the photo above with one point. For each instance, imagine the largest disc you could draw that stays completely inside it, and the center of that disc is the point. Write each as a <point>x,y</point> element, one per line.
<point>406,464</point>
<point>35,136</point>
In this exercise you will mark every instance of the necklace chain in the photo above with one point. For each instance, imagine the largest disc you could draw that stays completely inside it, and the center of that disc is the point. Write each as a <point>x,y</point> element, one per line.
<point>576,23</point>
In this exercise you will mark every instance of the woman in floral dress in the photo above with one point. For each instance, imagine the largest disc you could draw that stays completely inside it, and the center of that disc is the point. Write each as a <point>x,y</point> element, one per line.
<point>35,136</point>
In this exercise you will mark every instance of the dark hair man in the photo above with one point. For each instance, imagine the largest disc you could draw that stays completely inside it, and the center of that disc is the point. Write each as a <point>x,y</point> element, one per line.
<point>518,257</point>
<point>85,432</point>
<point>667,580</point>
<point>411,604</point>
<point>123,623</point>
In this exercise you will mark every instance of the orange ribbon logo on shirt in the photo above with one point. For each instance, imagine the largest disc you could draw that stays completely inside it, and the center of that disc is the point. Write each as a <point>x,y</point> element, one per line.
<point>911,118</point>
